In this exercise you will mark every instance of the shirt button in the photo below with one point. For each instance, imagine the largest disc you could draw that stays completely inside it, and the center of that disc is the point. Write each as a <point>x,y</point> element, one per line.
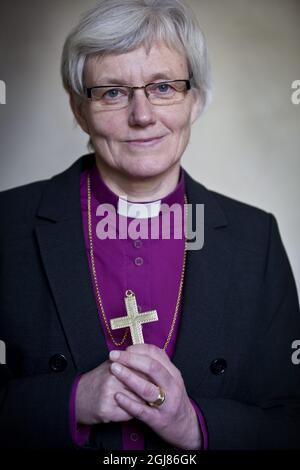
<point>138,243</point>
<point>134,436</point>
<point>138,261</point>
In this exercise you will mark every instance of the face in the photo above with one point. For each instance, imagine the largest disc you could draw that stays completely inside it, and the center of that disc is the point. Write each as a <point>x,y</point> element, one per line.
<point>142,140</point>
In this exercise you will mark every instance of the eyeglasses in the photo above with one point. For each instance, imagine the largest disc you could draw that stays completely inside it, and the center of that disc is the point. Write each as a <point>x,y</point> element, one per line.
<point>118,96</point>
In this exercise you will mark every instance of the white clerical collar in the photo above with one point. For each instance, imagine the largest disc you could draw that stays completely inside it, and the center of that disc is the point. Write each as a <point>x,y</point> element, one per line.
<point>138,210</point>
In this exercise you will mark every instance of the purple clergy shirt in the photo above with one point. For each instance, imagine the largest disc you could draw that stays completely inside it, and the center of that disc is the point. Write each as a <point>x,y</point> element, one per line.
<point>150,267</point>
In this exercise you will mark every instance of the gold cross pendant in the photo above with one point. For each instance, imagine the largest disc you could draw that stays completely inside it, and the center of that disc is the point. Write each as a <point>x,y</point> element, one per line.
<point>134,319</point>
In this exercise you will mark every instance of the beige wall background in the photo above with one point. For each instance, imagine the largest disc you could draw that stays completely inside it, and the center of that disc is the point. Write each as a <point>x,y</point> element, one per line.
<point>247,143</point>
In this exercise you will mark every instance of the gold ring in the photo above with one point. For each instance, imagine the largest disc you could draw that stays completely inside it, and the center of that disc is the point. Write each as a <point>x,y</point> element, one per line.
<point>160,398</point>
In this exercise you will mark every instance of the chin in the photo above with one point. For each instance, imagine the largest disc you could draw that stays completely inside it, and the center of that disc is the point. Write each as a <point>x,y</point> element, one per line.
<point>146,168</point>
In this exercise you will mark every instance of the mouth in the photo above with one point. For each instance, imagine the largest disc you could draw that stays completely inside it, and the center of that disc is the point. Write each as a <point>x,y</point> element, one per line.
<point>145,142</point>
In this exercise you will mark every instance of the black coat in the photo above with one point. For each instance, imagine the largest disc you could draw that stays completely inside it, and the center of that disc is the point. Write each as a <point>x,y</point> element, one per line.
<point>240,317</point>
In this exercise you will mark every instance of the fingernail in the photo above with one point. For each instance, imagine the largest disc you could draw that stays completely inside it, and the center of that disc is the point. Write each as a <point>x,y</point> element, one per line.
<point>116,368</point>
<point>114,355</point>
<point>121,397</point>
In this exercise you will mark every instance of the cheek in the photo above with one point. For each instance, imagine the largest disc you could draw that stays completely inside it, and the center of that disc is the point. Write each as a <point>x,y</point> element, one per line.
<point>179,121</point>
<point>106,127</point>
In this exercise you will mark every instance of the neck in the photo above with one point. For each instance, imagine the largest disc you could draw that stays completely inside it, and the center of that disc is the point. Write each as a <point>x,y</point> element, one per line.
<point>139,189</point>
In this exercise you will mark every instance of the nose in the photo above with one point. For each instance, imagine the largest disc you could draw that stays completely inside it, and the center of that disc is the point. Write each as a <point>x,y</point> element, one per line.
<point>141,112</point>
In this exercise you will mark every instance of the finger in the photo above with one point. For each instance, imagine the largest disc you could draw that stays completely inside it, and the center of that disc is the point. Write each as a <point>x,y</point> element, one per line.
<point>120,386</point>
<point>156,371</point>
<point>132,395</point>
<point>156,353</point>
<point>144,413</point>
<point>141,387</point>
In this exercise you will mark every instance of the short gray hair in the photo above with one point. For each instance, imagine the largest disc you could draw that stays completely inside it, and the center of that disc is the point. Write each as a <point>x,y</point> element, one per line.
<point>119,26</point>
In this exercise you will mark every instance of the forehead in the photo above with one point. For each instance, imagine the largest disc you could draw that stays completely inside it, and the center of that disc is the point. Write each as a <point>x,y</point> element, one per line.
<point>139,65</point>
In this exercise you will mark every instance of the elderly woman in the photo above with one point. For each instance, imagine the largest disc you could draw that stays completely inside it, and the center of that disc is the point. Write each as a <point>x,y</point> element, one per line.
<point>137,342</point>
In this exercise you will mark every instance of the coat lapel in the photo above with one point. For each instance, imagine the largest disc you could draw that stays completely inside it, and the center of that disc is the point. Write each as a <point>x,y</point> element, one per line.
<point>62,247</point>
<point>204,292</point>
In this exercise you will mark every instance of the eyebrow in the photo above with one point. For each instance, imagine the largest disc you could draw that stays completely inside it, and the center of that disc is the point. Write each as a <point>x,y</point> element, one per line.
<point>115,81</point>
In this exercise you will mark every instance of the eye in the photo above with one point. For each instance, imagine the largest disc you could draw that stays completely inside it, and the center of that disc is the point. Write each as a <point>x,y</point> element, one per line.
<point>113,93</point>
<point>163,87</point>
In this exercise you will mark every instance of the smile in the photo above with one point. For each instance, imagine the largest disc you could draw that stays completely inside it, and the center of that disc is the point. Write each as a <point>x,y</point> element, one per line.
<point>145,142</point>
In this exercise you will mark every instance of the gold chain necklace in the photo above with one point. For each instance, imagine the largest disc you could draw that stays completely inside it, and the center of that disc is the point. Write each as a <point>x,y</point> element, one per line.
<point>94,273</point>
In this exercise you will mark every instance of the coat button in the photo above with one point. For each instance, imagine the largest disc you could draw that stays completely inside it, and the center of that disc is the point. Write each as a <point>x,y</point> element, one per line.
<point>58,363</point>
<point>218,366</point>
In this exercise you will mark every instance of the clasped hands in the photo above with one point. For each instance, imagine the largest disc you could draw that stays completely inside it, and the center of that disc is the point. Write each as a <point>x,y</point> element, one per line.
<point>122,387</point>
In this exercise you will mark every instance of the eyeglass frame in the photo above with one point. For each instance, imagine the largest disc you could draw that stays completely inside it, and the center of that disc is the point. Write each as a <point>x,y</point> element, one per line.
<point>88,90</point>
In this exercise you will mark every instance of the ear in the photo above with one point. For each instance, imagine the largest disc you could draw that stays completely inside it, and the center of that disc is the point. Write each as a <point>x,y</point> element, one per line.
<point>77,107</point>
<point>197,105</point>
